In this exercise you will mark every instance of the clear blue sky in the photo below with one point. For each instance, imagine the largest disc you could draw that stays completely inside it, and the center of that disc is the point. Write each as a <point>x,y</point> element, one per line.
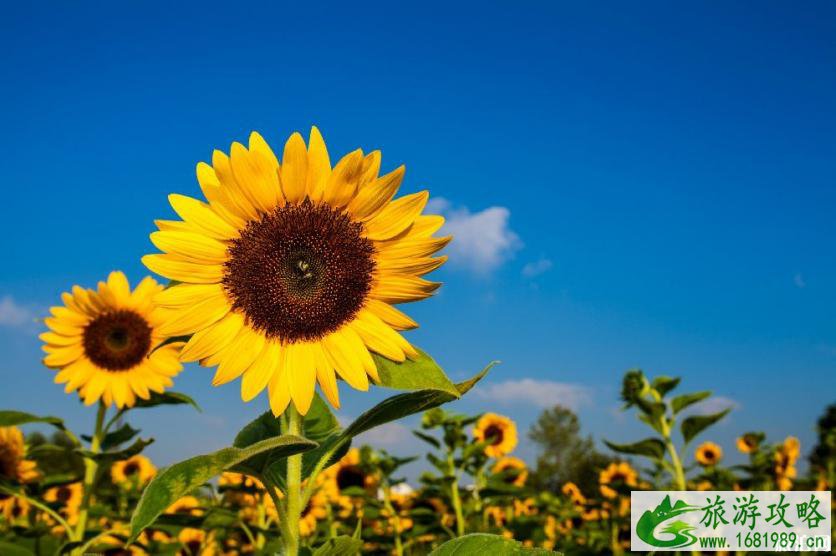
<point>656,184</point>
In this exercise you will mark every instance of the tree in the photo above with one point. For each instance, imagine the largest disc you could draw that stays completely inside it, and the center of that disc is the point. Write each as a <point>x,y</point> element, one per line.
<point>823,456</point>
<point>564,454</point>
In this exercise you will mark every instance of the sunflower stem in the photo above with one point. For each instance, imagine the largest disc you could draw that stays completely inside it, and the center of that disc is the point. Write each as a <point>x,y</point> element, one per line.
<point>294,486</point>
<point>454,495</point>
<point>90,469</point>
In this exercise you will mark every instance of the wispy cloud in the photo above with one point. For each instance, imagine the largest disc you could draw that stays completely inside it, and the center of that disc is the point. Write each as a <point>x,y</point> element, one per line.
<point>538,393</point>
<point>14,315</point>
<point>798,280</point>
<point>537,268</point>
<point>482,240</point>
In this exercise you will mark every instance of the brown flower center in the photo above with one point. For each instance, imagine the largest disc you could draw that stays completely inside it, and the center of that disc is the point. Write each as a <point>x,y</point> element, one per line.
<point>131,468</point>
<point>494,434</point>
<point>300,272</point>
<point>350,476</point>
<point>118,340</point>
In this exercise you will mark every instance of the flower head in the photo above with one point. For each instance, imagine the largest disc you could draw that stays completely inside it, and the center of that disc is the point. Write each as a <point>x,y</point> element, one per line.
<point>617,474</point>
<point>101,342</point>
<point>136,470</point>
<point>708,454</point>
<point>514,468</point>
<point>68,498</point>
<point>499,431</point>
<point>13,465</point>
<point>748,443</point>
<point>291,268</point>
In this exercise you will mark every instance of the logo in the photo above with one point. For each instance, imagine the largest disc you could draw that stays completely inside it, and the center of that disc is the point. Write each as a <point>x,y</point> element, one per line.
<point>660,518</point>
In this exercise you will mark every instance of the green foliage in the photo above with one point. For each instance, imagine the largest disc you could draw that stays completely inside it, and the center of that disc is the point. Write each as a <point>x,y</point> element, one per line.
<point>339,546</point>
<point>181,478</point>
<point>481,543</point>
<point>694,425</point>
<point>650,447</point>
<point>166,398</point>
<point>15,418</point>
<point>681,402</point>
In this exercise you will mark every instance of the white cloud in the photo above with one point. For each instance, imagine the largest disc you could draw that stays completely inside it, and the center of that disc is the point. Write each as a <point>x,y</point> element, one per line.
<point>537,268</point>
<point>798,280</point>
<point>12,314</point>
<point>482,240</point>
<point>387,435</point>
<point>539,393</point>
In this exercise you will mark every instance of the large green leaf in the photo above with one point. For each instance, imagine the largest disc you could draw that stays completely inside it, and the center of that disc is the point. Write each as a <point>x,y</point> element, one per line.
<point>119,436</point>
<point>650,447</point>
<point>176,481</point>
<point>421,374</point>
<point>484,544</point>
<point>402,405</point>
<point>681,402</point>
<point>14,418</point>
<point>117,455</point>
<point>695,424</point>
<point>664,384</point>
<point>320,425</point>
<point>340,546</point>
<point>166,398</point>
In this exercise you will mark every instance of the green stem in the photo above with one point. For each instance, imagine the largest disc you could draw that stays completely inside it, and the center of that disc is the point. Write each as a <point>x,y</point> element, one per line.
<point>294,486</point>
<point>454,495</point>
<point>396,520</point>
<point>90,469</point>
<point>43,507</point>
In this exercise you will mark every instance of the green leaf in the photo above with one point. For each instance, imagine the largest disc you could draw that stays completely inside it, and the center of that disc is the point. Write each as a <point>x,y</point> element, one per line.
<point>166,398</point>
<point>320,425</point>
<point>695,424</point>
<point>14,418</point>
<point>420,374</point>
<point>681,402</point>
<point>176,481</point>
<point>400,406</point>
<point>118,455</point>
<point>482,543</point>
<point>429,439</point>
<point>9,549</point>
<point>119,436</point>
<point>664,384</point>
<point>168,341</point>
<point>340,546</point>
<point>649,447</point>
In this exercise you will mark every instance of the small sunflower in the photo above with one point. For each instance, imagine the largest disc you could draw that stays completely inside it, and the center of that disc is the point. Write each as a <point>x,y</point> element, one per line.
<point>101,342</point>
<point>785,457</point>
<point>499,430</point>
<point>290,270</point>
<point>525,507</point>
<point>574,493</point>
<point>348,473</point>
<point>516,470</point>
<point>617,473</point>
<point>708,454</point>
<point>134,471</point>
<point>196,542</point>
<point>14,509</point>
<point>188,505</point>
<point>748,443</point>
<point>68,498</point>
<point>13,465</point>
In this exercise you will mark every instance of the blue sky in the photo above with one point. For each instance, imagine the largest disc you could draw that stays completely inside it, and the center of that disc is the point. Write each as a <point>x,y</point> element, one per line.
<point>645,184</point>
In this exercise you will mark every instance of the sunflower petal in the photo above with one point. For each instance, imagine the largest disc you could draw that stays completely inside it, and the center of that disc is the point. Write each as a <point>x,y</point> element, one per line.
<point>343,181</point>
<point>201,217</point>
<point>175,269</point>
<point>213,338</point>
<point>397,216</point>
<point>376,195</point>
<point>319,166</point>
<point>294,169</point>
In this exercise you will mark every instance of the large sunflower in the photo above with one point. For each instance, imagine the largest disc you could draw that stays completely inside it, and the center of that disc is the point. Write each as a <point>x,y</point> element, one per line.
<point>102,340</point>
<point>289,271</point>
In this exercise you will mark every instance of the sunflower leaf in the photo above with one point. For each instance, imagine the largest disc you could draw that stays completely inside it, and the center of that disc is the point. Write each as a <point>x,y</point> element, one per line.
<point>482,543</point>
<point>423,373</point>
<point>695,424</point>
<point>119,436</point>
<point>649,447</point>
<point>320,425</point>
<point>166,398</point>
<point>339,546</point>
<point>168,341</point>
<point>681,402</point>
<point>177,480</point>
<point>118,455</point>
<point>14,418</point>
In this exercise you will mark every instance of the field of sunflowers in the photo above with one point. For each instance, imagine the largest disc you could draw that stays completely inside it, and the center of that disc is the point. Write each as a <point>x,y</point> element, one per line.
<point>286,276</point>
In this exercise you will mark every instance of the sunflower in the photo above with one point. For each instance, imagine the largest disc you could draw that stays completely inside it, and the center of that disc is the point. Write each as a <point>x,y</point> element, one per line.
<point>14,509</point>
<point>196,542</point>
<point>102,341</point>
<point>785,457</point>
<point>748,443</point>
<point>187,505</point>
<point>289,271</point>
<point>514,468</point>
<point>527,506</point>
<point>68,498</point>
<point>708,454</point>
<point>136,470</point>
<point>348,473</point>
<point>574,493</point>
<point>500,431</point>
<point>13,466</point>
<point>617,473</point>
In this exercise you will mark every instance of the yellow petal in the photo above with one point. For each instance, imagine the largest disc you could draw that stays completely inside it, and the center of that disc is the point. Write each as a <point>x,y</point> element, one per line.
<point>184,295</point>
<point>397,216</point>
<point>176,269</point>
<point>195,247</point>
<point>410,265</point>
<point>258,375</point>
<point>58,340</point>
<point>319,166</point>
<point>119,286</point>
<point>339,349</point>
<point>325,375</point>
<point>301,367</point>
<point>401,289</point>
<point>294,169</point>
<point>189,320</point>
<point>201,217</point>
<point>279,388</point>
<point>217,196</point>
<point>64,327</point>
<point>343,181</point>
<point>212,339</point>
<point>256,181</point>
<point>378,336</point>
<point>174,226</point>
<point>238,356</point>
<point>409,247</point>
<point>63,356</point>
<point>234,195</point>
<point>259,145</point>
<point>374,196</point>
<point>390,315</point>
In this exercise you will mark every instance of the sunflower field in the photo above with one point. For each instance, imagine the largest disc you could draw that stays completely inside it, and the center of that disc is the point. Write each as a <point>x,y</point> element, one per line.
<point>285,276</point>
